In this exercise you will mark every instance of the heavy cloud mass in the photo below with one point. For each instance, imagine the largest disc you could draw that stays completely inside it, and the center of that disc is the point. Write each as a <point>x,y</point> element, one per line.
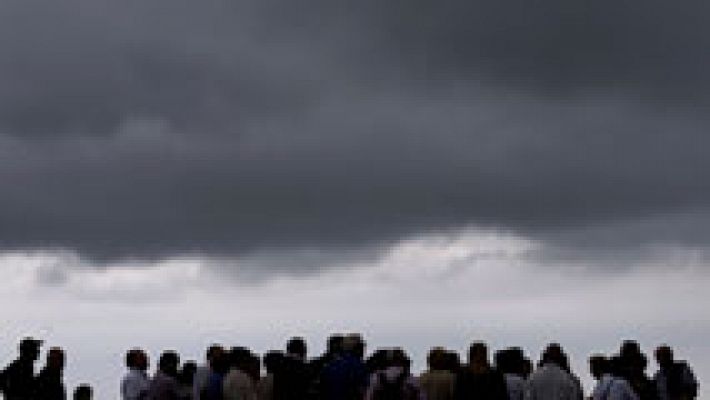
<point>152,129</point>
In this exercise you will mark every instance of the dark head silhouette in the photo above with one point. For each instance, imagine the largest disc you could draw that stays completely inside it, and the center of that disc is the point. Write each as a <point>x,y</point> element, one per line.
<point>510,361</point>
<point>187,373</point>
<point>335,344</point>
<point>168,363</point>
<point>664,356</point>
<point>55,359</point>
<point>272,360</point>
<point>83,392</point>
<point>598,366</point>
<point>437,359</point>
<point>29,349</point>
<point>239,358</point>
<point>397,357</point>
<point>377,361</point>
<point>137,359</point>
<point>478,355</point>
<point>554,354</point>
<point>212,351</point>
<point>297,346</point>
<point>353,344</point>
<point>453,361</point>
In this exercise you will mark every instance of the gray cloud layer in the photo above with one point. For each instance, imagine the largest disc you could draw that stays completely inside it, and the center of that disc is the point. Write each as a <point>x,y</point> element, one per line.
<point>155,128</point>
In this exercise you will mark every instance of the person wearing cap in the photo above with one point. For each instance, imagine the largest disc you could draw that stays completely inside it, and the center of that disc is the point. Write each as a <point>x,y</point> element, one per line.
<point>49,385</point>
<point>17,381</point>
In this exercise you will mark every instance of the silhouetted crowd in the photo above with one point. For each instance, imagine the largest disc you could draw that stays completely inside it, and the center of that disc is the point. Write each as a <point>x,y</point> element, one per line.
<point>19,382</point>
<point>343,372</point>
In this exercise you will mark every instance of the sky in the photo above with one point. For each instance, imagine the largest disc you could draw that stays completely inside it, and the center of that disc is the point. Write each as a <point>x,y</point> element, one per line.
<point>179,172</point>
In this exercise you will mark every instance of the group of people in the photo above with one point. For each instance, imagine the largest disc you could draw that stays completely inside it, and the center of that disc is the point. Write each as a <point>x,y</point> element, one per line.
<point>19,382</point>
<point>343,372</point>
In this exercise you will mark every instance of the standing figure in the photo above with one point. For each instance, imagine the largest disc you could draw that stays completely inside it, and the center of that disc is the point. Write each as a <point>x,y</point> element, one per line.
<point>135,383</point>
<point>674,379</point>
<point>17,381</point>
<point>49,385</point>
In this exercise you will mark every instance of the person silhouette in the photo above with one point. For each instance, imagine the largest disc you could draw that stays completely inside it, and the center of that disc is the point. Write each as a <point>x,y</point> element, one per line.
<point>600,369</point>
<point>633,364</point>
<point>135,383</point>
<point>437,382</point>
<point>185,380</point>
<point>83,392</point>
<point>164,385</point>
<point>509,362</point>
<point>238,383</point>
<point>49,385</point>
<point>272,362</point>
<point>552,378</point>
<point>394,381</point>
<point>17,380</point>
<point>345,377</point>
<point>292,378</point>
<point>202,374</point>
<point>674,379</point>
<point>479,379</point>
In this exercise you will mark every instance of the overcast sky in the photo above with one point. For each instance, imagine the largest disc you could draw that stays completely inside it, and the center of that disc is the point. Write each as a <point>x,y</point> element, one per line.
<point>270,160</point>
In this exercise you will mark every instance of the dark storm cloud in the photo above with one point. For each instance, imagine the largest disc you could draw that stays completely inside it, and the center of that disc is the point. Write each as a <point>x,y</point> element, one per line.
<point>154,128</point>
